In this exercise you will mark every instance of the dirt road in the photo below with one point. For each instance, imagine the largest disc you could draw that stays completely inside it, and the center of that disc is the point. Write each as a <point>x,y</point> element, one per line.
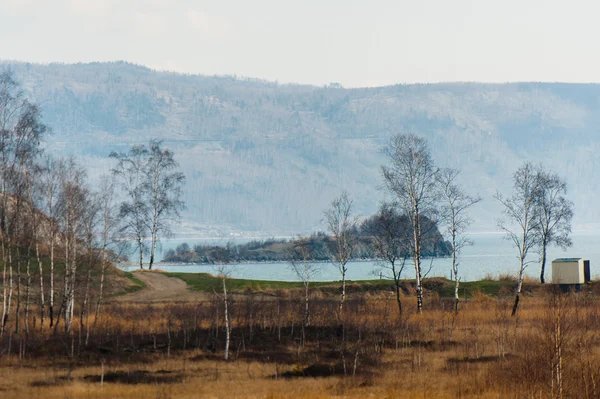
<point>160,288</point>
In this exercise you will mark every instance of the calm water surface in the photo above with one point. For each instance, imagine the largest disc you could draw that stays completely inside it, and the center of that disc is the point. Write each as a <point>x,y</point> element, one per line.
<point>491,255</point>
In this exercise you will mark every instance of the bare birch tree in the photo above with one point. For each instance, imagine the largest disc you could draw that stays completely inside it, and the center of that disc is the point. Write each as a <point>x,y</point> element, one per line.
<point>134,210</point>
<point>50,174</point>
<point>341,224</point>
<point>455,204</point>
<point>90,220</point>
<point>21,131</point>
<point>554,215</point>
<point>164,187</point>
<point>390,239</point>
<point>521,222</point>
<point>72,207</point>
<point>411,178</point>
<point>153,187</point>
<point>39,224</point>
<point>303,265</point>
<point>222,259</point>
<point>108,226</point>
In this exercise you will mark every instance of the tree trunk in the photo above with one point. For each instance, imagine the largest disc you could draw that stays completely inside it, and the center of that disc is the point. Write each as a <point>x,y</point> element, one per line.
<point>84,311</point>
<point>152,247</point>
<point>543,263</point>
<point>4,289</point>
<point>519,288</point>
<point>397,285</point>
<point>155,205</point>
<point>42,299</point>
<point>51,293</point>
<point>8,297</point>
<point>101,289</point>
<point>227,327</point>
<point>455,272</point>
<point>27,289</point>
<point>72,290</point>
<point>398,297</point>
<point>417,260</point>
<point>141,249</point>
<point>18,310</point>
<point>306,308</point>
<point>343,297</point>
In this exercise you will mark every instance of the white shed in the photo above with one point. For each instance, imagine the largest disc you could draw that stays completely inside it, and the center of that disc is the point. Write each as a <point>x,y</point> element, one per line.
<point>570,271</point>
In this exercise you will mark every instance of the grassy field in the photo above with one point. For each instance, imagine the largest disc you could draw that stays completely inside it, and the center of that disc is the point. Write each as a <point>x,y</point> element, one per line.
<point>136,285</point>
<point>442,287</point>
<point>176,351</point>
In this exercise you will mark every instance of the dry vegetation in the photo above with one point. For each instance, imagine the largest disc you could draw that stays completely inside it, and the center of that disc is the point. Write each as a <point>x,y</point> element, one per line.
<point>175,350</point>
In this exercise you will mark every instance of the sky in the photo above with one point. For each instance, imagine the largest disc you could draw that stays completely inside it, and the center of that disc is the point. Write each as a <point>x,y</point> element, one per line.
<point>354,43</point>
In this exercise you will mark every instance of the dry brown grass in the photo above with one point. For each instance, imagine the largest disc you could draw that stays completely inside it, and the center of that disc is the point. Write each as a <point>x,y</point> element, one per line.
<point>174,351</point>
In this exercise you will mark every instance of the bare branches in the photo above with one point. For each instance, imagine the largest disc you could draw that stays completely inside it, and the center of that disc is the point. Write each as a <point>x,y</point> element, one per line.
<point>455,204</point>
<point>555,213</point>
<point>411,177</point>
<point>302,263</point>
<point>21,132</point>
<point>164,185</point>
<point>390,237</point>
<point>522,212</point>
<point>153,189</point>
<point>538,213</point>
<point>342,227</point>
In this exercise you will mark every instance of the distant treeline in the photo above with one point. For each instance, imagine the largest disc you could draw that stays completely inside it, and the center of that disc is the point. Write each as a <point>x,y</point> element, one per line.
<point>281,250</point>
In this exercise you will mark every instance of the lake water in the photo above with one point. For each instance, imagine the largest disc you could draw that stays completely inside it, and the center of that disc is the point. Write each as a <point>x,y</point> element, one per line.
<point>491,255</point>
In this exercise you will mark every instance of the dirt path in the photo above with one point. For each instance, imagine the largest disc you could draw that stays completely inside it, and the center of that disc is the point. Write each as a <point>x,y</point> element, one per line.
<point>160,288</point>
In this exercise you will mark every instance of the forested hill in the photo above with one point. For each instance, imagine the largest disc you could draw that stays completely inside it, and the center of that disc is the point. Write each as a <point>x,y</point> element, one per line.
<point>270,157</point>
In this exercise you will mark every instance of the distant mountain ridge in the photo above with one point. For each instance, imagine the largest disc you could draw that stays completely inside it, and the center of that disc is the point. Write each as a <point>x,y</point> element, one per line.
<point>265,157</point>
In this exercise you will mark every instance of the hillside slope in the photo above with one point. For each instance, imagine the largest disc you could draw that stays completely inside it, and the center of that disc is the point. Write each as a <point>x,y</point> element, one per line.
<point>268,157</point>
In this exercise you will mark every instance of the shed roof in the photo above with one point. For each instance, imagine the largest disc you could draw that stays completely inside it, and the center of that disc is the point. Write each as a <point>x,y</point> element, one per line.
<point>567,260</point>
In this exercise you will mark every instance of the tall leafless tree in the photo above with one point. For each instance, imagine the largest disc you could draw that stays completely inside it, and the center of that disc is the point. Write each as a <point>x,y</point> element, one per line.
<point>164,188</point>
<point>341,224</point>
<point>455,205</point>
<point>152,186</point>
<point>134,210</point>
<point>303,265</point>
<point>411,177</point>
<point>222,257</point>
<point>51,172</point>
<point>554,215</point>
<point>73,205</point>
<point>521,222</point>
<point>21,132</point>
<point>90,222</point>
<point>34,193</point>
<point>108,229</point>
<point>390,238</point>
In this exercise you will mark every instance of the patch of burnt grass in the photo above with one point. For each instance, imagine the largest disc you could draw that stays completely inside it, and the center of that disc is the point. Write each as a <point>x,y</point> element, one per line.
<point>135,377</point>
<point>473,360</point>
<point>323,370</point>
<point>207,356</point>
<point>433,345</point>
<point>315,370</point>
<point>268,357</point>
<point>54,382</point>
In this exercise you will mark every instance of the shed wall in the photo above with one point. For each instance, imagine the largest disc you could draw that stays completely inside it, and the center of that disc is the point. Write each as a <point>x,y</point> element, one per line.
<point>568,272</point>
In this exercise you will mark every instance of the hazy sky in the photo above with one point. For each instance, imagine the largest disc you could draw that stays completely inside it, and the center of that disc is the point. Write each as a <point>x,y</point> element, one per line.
<point>356,43</point>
